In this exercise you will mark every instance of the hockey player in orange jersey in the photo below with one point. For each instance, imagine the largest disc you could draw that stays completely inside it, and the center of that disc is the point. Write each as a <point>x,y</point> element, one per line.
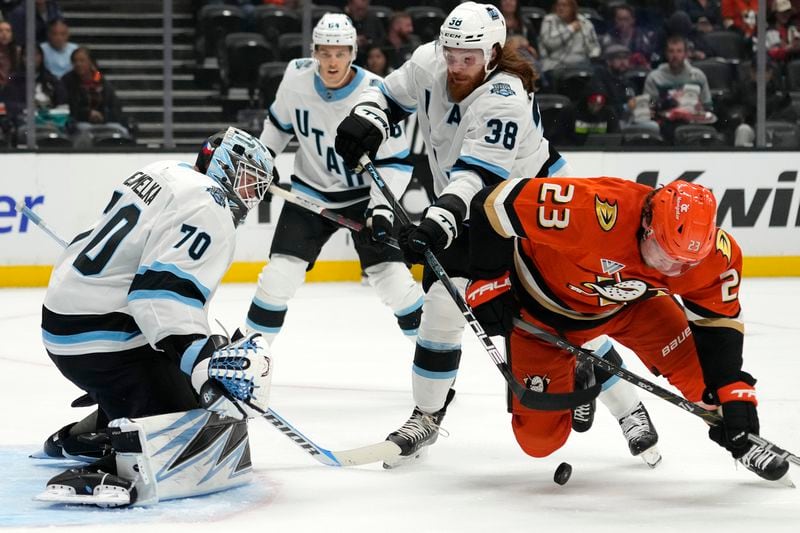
<point>586,257</point>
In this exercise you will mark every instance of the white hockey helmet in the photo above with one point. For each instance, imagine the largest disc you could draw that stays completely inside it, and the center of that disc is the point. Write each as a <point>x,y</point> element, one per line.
<point>472,25</point>
<point>335,29</point>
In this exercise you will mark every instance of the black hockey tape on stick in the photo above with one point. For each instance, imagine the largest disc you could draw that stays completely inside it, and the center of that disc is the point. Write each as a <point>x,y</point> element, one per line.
<point>324,212</point>
<point>379,452</point>
<point>710,417</point>
<point>530,399</point>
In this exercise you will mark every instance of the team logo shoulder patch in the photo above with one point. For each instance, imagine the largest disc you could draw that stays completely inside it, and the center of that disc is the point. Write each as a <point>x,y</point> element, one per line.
<point>374,83</point>
<point>606,213</point>
<point>724,245</point>
<point>503,89</point>
<point>300,64</point>
<point>217,194</point>
<point>537,383</point>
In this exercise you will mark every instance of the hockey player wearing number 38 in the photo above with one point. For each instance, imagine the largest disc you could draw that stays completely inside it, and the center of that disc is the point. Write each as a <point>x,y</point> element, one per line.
<point>481,125</point>
<point>125,318</point>
<point>596,256</point>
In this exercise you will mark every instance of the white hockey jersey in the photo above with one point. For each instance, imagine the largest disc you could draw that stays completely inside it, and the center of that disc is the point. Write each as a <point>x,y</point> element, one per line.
<point>497,128</point>
<point>304,107</point>
<point>146,270</point>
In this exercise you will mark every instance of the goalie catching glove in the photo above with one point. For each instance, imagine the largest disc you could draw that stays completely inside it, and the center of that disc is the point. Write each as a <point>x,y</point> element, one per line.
<point>231,378</point>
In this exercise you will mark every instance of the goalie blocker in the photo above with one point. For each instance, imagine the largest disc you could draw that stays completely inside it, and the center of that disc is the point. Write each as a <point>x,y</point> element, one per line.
<point>159,458</point>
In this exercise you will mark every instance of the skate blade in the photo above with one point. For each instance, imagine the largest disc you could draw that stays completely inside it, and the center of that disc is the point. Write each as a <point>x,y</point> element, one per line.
<point>651,456</point>
<point>403,460</point>
<point>103,496</point>
<point>786,481</point>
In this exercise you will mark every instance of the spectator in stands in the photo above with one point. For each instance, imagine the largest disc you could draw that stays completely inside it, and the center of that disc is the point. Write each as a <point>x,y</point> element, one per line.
<point>567,38</point>
<point>46,12</point>
<point>591,115</point>
<point>369,28</point>
<point>740,15</point>
<point>58,50</point>
<point>401,41</point>
<point>625,32</point>
<point>9,54</point>
<point>783,37</point>
<point>744,100</point>
<point>49,95</point>
<point>679,90</point>
<point>610,80</point>
<point>680,24</point>
<point>377,61</point>
<point>696,9</point>
<point>92,100</point>
<point>515,25</point>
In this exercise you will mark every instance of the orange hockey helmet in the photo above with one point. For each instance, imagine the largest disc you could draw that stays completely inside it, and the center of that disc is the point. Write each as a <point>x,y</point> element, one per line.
<point>682,221</point>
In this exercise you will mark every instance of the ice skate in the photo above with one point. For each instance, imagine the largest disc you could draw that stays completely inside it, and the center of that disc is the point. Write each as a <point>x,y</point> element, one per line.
<point>93,484</point>
<point>419,432</point>
<point>641,435</point>
<point>767,465</point>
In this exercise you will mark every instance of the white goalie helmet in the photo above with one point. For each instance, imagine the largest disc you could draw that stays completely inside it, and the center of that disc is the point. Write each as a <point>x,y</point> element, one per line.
<point>472,25</point>
<point>335,29</point>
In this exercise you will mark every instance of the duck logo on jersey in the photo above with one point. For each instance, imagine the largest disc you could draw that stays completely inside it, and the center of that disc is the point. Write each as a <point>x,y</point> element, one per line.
<point>537,383</point>
<point>503,89</point>
<point>217,194</point>
<point>615,290</point>
<point>724,245</point>
<point>606,213</point>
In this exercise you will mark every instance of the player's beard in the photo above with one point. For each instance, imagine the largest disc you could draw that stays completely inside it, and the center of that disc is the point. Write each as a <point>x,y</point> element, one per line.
<point>463,87</point>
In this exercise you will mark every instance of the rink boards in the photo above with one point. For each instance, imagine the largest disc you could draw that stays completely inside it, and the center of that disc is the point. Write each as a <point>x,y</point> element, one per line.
<point>757,192</point>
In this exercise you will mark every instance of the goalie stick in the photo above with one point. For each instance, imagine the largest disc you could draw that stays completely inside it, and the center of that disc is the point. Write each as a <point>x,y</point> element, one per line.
<point>324,212</point>
<point>373,453</point>
<point>527,397</point>
<point>710,417</point>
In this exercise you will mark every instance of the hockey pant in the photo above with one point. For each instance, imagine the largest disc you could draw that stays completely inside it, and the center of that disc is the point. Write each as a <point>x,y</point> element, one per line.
<point>179,455</point>
<point>656,330</point>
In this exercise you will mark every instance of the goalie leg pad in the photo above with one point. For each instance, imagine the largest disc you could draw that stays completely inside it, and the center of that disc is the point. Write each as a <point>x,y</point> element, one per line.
<point>438,351</point>
<point>179,455</point>
<point>397,289</point>
<point>277,284</point>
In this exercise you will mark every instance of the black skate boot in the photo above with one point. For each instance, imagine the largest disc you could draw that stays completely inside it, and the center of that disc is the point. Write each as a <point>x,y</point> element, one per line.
<point>419,432</point>
<point>583,415</point>
<point>94,484</point>
<point>79,441</point>
<point>642,437</point>
<point>766,464</point>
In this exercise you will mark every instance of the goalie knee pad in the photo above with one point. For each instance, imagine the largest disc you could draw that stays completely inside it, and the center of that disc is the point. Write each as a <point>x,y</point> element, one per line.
<point>397,289</point>
<point>277,284</point>
<point>619,398</point>
<point>178,455</point>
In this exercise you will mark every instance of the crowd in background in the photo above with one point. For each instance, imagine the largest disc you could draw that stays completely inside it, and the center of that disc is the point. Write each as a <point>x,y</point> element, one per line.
<point>646,66</point>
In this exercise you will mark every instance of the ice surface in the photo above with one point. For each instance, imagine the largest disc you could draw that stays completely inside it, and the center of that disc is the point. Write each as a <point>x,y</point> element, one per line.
<point>342,376</point>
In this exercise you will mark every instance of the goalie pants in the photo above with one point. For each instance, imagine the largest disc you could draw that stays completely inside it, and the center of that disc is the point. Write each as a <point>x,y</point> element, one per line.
<point>656,330</point>
<point>135,383</point>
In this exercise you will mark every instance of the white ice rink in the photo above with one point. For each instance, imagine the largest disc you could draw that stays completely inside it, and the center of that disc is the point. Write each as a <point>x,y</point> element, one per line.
<point>342,376</point>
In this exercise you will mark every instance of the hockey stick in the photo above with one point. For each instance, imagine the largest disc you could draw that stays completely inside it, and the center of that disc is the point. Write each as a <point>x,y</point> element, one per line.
<point>373,453</point>
<point>710,417</point>
<point>324,212</point>
<point>527,397</point>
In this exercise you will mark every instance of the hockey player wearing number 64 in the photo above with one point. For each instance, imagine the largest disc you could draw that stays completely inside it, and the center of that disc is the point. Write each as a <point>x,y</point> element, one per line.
<point>314,95</point>
<point>607,256</point>
<point>125,318</point>
<point>481,125</point>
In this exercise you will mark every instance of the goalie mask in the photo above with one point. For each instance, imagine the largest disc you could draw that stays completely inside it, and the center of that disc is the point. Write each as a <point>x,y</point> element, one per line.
<point>679,225</point>
<point>474,26</point>
<point>241,164</point>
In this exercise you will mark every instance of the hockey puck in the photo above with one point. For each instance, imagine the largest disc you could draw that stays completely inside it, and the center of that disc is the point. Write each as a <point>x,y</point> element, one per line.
<point>563,472</point>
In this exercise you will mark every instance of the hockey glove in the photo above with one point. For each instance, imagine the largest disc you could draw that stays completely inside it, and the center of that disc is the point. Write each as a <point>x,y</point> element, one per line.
<point>232,379</point>
<point>493,304</point>
<point>380,221</point>
<point>361,132</point>
<point>739,416</point>
<point>436,232</point>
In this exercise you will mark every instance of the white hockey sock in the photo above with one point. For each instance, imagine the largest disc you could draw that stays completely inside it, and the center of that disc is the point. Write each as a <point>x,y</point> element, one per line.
<point>619,397</point>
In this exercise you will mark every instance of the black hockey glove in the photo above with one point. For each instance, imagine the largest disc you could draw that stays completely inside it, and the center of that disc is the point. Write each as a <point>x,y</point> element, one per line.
<point>739,415</point>
<point>493,304</point>
<point>380,221</point>
<point>435,233</point>
<point>361,132</point>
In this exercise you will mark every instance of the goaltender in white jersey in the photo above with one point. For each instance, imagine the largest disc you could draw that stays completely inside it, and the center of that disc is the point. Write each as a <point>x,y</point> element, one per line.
<point>313,97</point>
